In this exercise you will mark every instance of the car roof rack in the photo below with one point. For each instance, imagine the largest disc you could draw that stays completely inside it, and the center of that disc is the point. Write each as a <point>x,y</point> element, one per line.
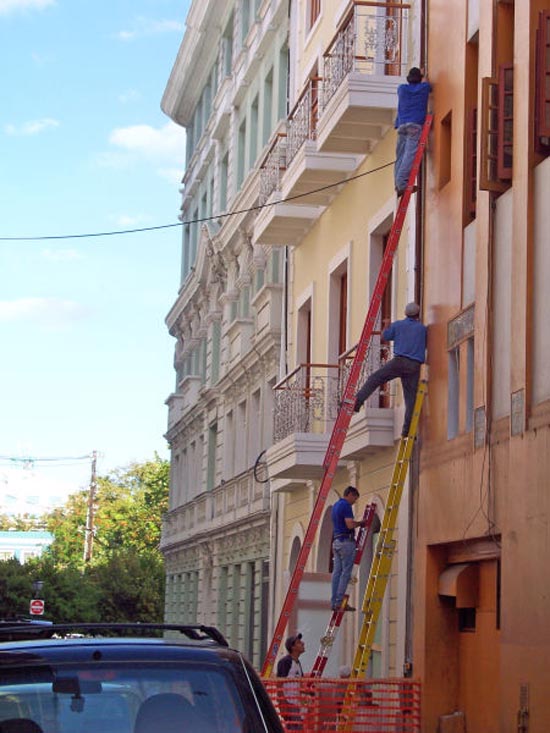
<point>21,630</point>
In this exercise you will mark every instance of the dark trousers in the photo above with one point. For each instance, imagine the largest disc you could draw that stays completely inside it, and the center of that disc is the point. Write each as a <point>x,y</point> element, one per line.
<point>408,370</point>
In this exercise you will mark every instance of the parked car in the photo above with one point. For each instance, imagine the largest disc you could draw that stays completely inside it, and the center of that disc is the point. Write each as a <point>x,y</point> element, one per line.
<point>128,678</point>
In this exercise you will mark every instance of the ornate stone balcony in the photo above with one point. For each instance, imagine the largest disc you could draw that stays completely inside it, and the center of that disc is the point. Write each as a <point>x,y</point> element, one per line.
<point>232,501</point>
<point>363,66</point>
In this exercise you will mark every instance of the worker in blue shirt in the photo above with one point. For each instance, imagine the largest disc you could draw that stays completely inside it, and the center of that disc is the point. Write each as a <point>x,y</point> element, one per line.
<point>343,546</point>
<point>412,107</point>
<point>409,337</point>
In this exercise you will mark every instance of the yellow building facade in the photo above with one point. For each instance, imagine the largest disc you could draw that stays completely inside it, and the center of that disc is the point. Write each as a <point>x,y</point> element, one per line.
<point>329,206</point>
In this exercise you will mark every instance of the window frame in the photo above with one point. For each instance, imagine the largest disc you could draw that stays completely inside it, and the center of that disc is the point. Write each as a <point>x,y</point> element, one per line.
<point>505,140</point>
<point>313,12</point>
<point>542,83</point>
<point>488,174</point>
<point>471,163</point>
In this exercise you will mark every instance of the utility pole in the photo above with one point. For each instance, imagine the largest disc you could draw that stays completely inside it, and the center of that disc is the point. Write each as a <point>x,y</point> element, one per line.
<point>89,531</point>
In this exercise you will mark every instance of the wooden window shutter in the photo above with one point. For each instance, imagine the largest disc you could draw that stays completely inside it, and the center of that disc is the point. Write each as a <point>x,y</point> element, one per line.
<point>488,132</point>
<point>471,163</point>
<point>543,75</point>
<point>505,121</point>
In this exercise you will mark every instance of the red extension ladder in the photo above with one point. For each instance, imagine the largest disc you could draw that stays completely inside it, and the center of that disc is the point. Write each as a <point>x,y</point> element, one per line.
<point>341,424</point>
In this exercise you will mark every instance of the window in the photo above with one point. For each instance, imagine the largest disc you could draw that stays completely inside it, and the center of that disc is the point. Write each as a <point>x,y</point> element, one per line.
<point>313,11</point>
<point>304,333</point>
<point>240,438</point>
<point>338,312</point>
<point>467,619</point>
<point>469,385</point>
<point>212,446</point>
<point>542,115</point>
<point>343,313</point>
<point>245,19</point>
<point>186,252</point>
<point>471,164</point>
<point>497,130</point>
<point>194,238</point>
<point>505,121</point>
<point>282,107</point>
<point>445,150</point>
<point>224,172</point>
<point>215,356</point>
<point>453,387</point>
<point>227,47</point>
<point>268,107</point>
<point>253,142</point>
<point>241,153</point>
<point>228,442</point>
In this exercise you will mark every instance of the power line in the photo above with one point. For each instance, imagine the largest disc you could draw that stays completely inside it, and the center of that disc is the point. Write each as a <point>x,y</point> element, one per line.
<point>215,217</point>
<point>31,459</point>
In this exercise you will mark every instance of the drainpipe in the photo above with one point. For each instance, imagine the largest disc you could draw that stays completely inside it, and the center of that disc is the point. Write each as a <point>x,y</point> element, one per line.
<point>414,466</point>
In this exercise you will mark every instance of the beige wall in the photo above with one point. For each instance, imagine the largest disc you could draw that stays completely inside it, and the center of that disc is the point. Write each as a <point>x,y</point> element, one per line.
<point>483,501</point>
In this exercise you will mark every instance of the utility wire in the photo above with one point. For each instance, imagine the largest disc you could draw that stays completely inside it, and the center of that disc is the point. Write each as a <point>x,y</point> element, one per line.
<point>30,459</point>
<point>201,220</point>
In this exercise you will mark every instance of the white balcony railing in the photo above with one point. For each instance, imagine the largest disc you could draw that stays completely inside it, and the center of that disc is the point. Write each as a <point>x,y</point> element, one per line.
<point>372,39</point>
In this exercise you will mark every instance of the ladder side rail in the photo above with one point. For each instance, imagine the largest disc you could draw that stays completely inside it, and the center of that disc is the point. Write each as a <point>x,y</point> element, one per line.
<point>381,567</point>
<point>341,424</point>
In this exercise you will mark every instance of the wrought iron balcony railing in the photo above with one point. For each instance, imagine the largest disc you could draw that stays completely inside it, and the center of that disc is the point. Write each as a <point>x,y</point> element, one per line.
<point>378,353</point>
<point>307,400</point>
<point>273,167</point>
<point>302,121</point>
<point>372,39</point>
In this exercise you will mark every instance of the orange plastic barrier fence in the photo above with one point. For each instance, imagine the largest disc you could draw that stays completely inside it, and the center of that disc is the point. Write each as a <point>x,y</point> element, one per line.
<point>314,705</point>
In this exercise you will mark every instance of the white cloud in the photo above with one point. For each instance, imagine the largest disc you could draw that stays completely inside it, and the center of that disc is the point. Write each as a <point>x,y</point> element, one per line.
<point>167,142</point>
<point>33,127</point>
<point>127,221</point>
<point>148,27</point>
<point>52,313</point>
<point>10,6</point>
<point>163,147</point>
<point>131,95</point>
<point>61,255</point>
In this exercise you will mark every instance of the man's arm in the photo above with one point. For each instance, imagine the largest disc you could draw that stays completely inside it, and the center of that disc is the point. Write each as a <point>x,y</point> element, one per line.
<point>283,666</point>
<point>388,334</point>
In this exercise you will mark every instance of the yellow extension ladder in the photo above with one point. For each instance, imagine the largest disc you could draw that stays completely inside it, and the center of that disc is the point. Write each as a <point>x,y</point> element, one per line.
<point>381,565</point>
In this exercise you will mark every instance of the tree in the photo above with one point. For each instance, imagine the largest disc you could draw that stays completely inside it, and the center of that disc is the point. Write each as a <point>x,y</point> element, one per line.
<point>129,506</point>
<point>125,579</point>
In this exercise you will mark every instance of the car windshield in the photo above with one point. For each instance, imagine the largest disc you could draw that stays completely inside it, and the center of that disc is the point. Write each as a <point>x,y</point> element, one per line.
<point>141,697</point>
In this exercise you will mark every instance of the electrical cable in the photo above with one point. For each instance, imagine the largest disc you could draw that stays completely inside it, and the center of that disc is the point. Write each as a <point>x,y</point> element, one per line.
<point>201,220</point>
<point>30,459</point>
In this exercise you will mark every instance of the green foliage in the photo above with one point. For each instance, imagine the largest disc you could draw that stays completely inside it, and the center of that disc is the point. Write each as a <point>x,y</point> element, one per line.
<point>125,579</point>
<point>15,588</point>
<point>131,587</point>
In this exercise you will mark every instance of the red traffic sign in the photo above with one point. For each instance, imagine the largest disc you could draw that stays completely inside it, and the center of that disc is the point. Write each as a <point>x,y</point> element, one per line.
<point>36,607</point>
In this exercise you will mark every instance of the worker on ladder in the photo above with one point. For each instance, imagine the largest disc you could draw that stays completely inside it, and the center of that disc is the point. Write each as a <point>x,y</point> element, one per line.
<point>409,336</point>
<point>412,107</point>
<point>343,546</point>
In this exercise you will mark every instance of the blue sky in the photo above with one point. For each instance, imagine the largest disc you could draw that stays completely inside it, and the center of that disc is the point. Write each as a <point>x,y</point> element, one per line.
<point>86,358</point>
